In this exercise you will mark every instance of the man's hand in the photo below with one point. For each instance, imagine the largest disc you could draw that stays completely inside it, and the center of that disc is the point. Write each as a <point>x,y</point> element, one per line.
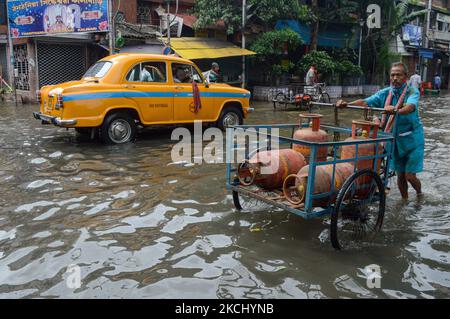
<point>390,109</point>
<point>341,104</point>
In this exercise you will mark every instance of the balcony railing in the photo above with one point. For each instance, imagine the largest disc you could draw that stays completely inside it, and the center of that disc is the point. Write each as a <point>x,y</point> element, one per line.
<point>441,36</point>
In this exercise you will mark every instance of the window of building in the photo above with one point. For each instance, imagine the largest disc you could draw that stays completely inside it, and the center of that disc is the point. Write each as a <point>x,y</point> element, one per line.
<point>22,75</point>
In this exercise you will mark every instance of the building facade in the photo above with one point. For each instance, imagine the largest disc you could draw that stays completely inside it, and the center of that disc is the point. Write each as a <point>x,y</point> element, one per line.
<point>427,50</point>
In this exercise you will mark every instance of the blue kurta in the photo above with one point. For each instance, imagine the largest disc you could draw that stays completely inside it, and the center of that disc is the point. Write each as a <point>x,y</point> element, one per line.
<point>409,134</point>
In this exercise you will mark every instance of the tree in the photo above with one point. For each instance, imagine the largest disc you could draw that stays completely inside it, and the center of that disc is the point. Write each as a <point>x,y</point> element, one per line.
<point>271,48</point>
<point>264,12</point>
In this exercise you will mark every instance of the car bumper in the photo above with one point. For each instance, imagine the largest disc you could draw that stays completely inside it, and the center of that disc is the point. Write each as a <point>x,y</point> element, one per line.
<point>53,120</point>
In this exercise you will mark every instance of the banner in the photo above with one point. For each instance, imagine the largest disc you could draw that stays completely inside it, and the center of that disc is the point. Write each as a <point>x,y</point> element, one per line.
<point>412,34</point>
<point>46,17</point>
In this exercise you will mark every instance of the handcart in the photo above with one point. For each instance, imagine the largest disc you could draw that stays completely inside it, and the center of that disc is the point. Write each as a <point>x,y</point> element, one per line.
<point>355,210</point>
<point>301,96</point>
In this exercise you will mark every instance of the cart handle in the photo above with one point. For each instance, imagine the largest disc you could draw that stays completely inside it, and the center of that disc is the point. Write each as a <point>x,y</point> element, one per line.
<point>353,107</point>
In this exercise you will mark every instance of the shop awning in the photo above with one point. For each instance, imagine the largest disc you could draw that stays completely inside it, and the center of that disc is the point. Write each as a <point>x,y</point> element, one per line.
<point>426,53</point>
<point>206,48</point>
<point>335,35</point>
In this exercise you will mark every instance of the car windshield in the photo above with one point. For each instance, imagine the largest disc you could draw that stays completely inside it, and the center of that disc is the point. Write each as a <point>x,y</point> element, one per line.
<point>98,70</point>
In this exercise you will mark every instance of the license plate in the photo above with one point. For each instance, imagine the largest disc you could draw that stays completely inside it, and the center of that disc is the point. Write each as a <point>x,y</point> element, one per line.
<point>48,104</point>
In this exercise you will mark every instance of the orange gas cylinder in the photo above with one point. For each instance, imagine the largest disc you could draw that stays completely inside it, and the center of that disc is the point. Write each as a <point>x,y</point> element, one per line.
<point>370,131</point>
<point>311,134</point>
<point>295,186</point>
<point>268,169</point>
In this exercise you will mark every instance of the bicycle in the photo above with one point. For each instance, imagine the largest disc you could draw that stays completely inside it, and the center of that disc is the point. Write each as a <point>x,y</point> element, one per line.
<point>318,93</point>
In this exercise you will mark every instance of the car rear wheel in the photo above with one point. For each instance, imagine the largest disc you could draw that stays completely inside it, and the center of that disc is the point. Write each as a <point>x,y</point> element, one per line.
<point>118,128</point>
<point>230,117</point>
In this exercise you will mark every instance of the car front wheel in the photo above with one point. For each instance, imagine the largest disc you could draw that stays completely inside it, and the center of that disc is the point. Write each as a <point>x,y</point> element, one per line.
<point>118,128</point>
<point>230,117</point>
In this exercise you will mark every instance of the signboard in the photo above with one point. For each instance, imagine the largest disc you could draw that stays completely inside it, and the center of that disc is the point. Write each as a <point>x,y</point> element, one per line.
<point>412,34</point>
<point>46,17</point>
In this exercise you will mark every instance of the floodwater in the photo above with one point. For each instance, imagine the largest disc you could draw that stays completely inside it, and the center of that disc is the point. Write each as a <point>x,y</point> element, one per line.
<point>139,225</point>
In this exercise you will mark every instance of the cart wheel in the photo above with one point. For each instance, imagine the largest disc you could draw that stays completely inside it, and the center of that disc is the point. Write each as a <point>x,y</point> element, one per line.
<point>358,216</point>
<point>279,101</point>
<point>246,203</point>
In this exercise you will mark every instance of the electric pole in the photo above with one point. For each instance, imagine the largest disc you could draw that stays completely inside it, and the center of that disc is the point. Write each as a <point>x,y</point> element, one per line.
<point>111,28</point>
<point>244,4</point>
<point>427,40</point>
<point>12,61</point>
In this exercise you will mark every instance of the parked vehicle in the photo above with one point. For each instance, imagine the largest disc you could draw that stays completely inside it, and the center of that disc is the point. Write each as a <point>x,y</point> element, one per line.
<point>124,91</point>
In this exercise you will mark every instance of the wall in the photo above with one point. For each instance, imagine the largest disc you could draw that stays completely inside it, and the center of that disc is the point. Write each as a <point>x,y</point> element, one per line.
<point>129,8</point>
<point>437,3</point>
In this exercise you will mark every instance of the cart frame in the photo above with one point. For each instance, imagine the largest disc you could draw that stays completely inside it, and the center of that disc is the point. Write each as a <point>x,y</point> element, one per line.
<point>384,142</point>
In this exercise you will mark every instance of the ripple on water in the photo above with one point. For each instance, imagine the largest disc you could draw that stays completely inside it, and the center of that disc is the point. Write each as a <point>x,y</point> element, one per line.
<point>39,160</point>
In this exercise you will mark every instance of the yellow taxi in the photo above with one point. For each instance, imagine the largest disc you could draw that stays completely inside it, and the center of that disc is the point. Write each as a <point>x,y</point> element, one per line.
<point>124,91</point>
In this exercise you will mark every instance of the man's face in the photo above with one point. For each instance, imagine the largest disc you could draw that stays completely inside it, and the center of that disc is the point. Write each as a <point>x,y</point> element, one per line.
<point>398,76</point>
<point>216,69</point>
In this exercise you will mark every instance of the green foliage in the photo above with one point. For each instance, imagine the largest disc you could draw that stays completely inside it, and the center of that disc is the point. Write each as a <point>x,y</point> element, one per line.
<point>265,12</point>
<point>270,45</point>
<point>338,11</point>
<point>386,58</point>
<point>347,69</point>
<point>325,64</point>
<point>269,11</point>
<point>329,66</point>
<point>401,15</point>
<point>279,69</point>
<point>270,49</point>
<point>209,12</point>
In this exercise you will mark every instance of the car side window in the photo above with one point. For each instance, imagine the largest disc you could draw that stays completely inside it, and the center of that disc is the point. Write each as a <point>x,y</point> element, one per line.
<point>148,72</point>
<point>134,74</point>
<point>196,76</point>
<point>153,72</point>
<point>182,73</point>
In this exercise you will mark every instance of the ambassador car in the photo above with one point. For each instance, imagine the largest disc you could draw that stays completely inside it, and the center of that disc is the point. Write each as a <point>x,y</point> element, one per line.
<point>122,92</point>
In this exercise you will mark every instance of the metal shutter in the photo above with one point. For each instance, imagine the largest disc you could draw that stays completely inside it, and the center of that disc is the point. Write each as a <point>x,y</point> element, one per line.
<point>60,63</point>
<point>4,62</point>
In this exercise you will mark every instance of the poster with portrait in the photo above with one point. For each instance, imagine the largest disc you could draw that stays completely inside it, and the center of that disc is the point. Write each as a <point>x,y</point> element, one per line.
<point>33,18</point>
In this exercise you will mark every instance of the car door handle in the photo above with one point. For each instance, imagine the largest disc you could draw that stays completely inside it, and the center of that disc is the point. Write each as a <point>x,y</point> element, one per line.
<point>178,88</point>
<point>130,87</point>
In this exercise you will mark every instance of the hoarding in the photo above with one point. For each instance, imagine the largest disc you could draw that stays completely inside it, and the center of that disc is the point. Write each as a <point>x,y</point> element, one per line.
<point>47,17</point>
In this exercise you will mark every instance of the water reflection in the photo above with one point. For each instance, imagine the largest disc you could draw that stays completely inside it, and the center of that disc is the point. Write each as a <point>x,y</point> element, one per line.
<point>139,225</point>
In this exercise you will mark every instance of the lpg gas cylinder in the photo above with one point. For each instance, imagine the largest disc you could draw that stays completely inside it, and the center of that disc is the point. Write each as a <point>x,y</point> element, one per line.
<point>369,132</point>
<point>311,134</point>
<point>295,187</point>
<point>268,169</point>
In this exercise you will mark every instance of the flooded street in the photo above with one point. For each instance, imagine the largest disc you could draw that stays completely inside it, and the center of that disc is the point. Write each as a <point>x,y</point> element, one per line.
<point>140,226</point>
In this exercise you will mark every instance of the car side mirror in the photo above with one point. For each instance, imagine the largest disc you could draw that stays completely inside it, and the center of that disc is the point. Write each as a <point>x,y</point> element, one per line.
<point>206,84</point>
